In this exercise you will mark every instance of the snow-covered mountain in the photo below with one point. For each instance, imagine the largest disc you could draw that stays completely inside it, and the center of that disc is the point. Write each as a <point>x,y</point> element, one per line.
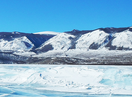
<point>99,46</point>
<point>59,42</point>
<point>102,38</point>
<point>92,40</point>
<point>17,44</point>
<point>21,42</point>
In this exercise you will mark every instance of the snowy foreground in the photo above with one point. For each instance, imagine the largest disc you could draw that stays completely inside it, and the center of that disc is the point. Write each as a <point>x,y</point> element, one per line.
<point>92,80</point>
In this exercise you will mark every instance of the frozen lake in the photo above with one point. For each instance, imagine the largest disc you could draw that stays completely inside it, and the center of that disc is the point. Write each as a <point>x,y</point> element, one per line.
<point>65,81</point>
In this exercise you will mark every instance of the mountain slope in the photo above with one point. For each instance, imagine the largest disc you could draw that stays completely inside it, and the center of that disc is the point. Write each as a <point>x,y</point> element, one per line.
<point>92,40</point>
<point>123,39</point>
<point>17,44</point>
<point>60,42</point>
<point>17,41</point>
<point>102,38</point>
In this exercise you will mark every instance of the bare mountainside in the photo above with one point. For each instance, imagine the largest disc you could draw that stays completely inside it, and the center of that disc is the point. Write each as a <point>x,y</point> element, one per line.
<point>110,46</point>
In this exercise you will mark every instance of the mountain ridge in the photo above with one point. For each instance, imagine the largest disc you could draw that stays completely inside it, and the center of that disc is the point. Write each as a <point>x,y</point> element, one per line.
<point>95,39</point>
<point>69,47</point>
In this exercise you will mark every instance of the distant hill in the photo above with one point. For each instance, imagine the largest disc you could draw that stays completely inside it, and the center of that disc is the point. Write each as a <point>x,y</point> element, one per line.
<point>47,32</point>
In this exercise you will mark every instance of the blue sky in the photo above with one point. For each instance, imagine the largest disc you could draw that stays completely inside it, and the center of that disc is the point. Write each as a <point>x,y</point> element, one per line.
<point>63,15</point>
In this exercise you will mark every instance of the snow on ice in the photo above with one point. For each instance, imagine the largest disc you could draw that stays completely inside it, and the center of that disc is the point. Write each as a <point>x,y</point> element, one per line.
<point>114,80</point>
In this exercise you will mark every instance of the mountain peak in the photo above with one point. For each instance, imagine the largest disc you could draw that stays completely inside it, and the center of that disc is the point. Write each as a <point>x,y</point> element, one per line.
<point>15,32</point>
<point>75,30</point>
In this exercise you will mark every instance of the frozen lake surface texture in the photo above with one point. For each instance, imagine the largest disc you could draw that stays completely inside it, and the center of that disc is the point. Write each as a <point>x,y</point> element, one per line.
<point>65,81</point>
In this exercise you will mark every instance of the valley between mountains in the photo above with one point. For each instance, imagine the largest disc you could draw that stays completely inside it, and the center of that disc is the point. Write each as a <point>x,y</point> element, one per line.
<point>102,46</point>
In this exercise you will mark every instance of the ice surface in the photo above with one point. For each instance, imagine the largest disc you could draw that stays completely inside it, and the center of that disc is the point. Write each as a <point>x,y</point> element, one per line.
<point>103,80</point>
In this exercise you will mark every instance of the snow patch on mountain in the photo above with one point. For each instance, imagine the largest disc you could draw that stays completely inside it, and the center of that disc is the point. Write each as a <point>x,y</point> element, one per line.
<point>95,38</point>
<point>17,44</point>
<point>123,39</point>
<point>48,32</point>
<point>60,42</point>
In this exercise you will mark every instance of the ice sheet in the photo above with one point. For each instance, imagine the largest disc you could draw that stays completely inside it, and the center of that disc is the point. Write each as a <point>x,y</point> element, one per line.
<point>109,80</point>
